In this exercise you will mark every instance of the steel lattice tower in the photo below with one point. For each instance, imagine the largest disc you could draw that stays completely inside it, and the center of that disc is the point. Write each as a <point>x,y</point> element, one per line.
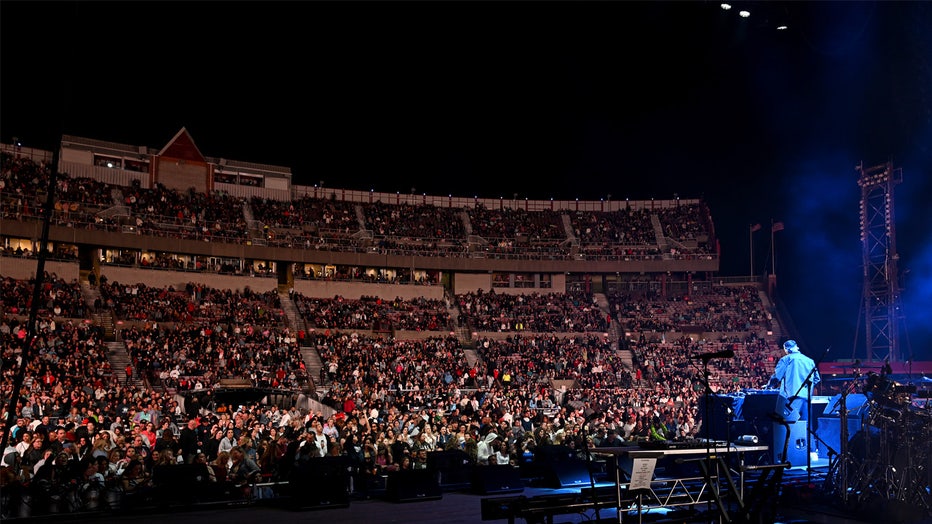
<point>881,293</point>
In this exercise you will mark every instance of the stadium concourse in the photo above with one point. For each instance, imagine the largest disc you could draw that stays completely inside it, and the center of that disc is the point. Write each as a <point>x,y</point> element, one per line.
<point>140,383</point>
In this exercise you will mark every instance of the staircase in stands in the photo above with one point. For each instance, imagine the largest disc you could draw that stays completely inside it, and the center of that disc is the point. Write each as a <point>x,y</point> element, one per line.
<point>311,356</point>
<point>119,358</point>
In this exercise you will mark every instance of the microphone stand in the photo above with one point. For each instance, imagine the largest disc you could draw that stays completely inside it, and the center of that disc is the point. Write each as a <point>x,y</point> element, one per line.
<point>707,471</point>
<point>707,468</point>
<point>842,459</point>
<point>589,468</point>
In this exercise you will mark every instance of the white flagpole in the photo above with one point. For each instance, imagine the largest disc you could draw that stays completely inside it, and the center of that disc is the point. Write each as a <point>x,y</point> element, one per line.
<point>773,254</point>
<point>751,243</point>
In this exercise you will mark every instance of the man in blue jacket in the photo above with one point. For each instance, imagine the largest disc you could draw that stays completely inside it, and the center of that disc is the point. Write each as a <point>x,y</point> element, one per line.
<point>796,376</point>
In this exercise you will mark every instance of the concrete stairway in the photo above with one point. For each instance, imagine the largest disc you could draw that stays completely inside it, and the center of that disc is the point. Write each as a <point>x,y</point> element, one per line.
<point>360,217</point>
<point>292,316</point>
<point>615,333</point>
<point>658,233</point>
<point>119,358</point>
<point>313,364</point>
<point>467,224</point>
<point>463,333</point>
<point>104,319</point>
<point>311,356</point>
<point>472,357</point>
<point>568,226</point>
<point>776,327</point>
<point>90,294</point>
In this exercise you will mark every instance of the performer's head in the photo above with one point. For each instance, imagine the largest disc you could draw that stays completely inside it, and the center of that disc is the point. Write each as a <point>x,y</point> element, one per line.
<point>790,346</point>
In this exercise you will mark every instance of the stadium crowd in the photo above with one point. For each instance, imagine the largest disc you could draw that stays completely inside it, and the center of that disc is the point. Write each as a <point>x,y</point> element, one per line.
<point>393,401</point>
<point>327,223</point>
<point>541,369</point>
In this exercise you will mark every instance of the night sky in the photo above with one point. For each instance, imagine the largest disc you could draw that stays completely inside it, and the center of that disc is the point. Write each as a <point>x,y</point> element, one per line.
<point>544,99</point>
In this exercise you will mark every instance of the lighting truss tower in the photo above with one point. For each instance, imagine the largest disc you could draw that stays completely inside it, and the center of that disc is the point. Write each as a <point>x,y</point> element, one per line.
<point>881,293</point>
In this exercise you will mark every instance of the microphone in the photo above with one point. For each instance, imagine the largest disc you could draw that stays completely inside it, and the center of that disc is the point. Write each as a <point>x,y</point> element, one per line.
<point>705,357</point>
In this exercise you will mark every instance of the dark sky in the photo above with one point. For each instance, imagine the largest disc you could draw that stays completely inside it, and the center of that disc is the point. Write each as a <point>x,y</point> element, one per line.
<point>544,99</point>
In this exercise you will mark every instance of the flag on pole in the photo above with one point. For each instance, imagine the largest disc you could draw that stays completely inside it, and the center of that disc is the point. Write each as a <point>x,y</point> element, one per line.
<point>755,227</point>
<point>777,226</point>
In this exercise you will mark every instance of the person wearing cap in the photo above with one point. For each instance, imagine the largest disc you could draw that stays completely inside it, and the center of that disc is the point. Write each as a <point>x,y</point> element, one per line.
<point>795,375</point>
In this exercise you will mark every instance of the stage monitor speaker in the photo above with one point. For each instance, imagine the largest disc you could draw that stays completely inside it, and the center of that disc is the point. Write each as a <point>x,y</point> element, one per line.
<point>856,403</point>
<point>453,468</point>
<point>829,432</point>
<point>796,448</point>
<point>565,474</point>
<point>499,478</point>
<point>320,483</point>
<point>818,405</point>
<point>412,485</point>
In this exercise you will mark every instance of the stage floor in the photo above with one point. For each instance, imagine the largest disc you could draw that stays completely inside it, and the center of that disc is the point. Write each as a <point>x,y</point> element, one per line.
<point>800,499</point>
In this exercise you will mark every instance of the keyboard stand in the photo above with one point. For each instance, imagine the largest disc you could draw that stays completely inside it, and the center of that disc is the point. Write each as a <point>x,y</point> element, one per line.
<point>681,491</point>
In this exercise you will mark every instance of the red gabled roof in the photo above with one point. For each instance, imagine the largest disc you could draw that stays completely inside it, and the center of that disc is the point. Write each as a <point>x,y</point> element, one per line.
<point>182,146</point>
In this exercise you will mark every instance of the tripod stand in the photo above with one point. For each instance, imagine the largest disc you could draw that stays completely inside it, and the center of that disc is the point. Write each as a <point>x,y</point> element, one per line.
<point>839,462</point>
<point>709,456</point>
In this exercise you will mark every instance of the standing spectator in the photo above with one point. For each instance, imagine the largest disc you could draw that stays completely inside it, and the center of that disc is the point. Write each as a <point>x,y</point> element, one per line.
<point>227,442</point>
<point>189,441</point>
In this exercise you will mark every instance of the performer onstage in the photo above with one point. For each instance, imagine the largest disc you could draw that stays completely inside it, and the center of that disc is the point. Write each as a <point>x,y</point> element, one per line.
<point>792,370</point>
